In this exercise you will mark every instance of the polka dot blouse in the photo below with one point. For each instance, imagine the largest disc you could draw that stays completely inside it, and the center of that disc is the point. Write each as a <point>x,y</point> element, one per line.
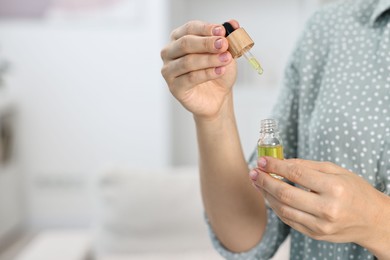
<point>335,106</point>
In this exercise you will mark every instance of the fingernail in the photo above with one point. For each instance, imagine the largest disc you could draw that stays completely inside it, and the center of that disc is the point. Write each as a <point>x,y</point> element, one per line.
<point>223,57</point>
<point>217,31</point>
<point>253,174</point>
<point>218,70</point>
<point>218,44</point>
<point>262,162</point>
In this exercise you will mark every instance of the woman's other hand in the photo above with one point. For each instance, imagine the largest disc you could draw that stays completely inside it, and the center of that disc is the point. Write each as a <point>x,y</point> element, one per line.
<point>333,204</point>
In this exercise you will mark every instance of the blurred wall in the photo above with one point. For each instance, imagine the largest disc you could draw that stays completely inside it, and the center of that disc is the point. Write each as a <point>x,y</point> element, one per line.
<point>89,94</point>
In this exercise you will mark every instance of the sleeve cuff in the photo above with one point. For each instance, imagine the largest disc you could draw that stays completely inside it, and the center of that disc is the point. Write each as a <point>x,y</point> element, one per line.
<point>275,233</point>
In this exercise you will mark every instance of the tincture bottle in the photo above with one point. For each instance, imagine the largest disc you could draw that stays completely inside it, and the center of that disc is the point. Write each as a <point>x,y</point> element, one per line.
<point>270,142</point>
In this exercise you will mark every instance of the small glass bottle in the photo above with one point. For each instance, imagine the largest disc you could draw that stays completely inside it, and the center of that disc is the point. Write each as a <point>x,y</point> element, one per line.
<point>270,142</point>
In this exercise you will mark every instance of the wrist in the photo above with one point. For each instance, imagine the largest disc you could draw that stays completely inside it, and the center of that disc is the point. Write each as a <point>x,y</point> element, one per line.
<point>377,237</point>
<point>225,112</point>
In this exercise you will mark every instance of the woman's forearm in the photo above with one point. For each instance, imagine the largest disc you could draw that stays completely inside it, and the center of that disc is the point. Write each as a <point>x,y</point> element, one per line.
<point>235,210</point>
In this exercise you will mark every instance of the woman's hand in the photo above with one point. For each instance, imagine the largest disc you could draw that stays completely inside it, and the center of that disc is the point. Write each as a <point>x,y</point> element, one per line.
<point>333,204</point>
<point>199,70</point>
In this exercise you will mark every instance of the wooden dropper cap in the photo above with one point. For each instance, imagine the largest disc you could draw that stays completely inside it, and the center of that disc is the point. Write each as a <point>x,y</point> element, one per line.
<point>239,40</point>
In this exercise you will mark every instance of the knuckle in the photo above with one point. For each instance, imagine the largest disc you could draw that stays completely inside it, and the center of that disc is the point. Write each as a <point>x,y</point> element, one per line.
<point>285,212</point>
<point>260,180</point>
<point>193,77</point>
<point>205,27</point>
<point>296,161</point>
<point>174,91</point>
<point>164,72</point>
<point>285,195</point>
<point>287,222</point>
<point>183,43</point>
<point>205,43</point>
<point>325,230</point>
<point>211,60</point>
<point>188,27</point>
<point>186,62</point>
<point>337,190</point>
<point>199,76</point>
<point>295,173</point>
<point>319,237</point>
<point>332,213</point>
<point>172,36</point>
<point>164,53</point>
<point>327,164</point>
<point>210,74</point>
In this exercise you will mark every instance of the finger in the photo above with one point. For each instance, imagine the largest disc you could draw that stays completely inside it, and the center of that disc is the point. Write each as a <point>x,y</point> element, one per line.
<point>187,81</point>
<point>301,221</point>
<point>198,28</point>
<point>295,172</point>
<point>234,23</point>
<point>194,44</point>
<point>288,195</point>
<point>307,224</point>
<point>195,62</point>
<point>290,214</point>
<point>325,167</point>
<point>303,227</point>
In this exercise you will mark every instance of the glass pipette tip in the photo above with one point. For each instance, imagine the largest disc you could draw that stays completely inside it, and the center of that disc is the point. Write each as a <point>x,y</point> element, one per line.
<point>253,62</point>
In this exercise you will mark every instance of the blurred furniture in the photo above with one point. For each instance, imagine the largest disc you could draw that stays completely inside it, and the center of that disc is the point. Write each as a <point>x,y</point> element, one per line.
<point>58,245</point>
<point>141,215</point>
<point>153,214</point>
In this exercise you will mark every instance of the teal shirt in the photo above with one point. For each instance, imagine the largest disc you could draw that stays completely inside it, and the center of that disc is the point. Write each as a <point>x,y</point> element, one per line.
<point>335,106</point>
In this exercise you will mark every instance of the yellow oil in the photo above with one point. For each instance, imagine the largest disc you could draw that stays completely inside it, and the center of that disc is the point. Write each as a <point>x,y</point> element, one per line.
<point>256,65</point>
<point>275,151</point>
<point>272,151</point>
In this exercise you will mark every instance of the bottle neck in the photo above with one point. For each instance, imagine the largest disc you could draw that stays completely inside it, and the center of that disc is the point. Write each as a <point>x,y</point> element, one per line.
<point>268,126</point>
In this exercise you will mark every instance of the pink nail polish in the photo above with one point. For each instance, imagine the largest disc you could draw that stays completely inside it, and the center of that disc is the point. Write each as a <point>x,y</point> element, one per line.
<point>262,162</point>
<point>224,57</point>
<point>218,70</point>
<point>217,31</point>
<point>253,174</point>
<point>218,44</point>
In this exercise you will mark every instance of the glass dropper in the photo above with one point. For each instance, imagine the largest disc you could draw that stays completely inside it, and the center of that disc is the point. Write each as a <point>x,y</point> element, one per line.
<point>239,45</point>
<point>253,62</point>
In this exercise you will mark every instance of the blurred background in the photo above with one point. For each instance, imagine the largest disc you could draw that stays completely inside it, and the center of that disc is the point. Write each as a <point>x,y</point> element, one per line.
<point>97,160</point>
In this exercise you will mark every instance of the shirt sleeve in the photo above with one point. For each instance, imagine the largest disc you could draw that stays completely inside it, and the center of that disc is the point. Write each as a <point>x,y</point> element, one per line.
<point>275,233</point>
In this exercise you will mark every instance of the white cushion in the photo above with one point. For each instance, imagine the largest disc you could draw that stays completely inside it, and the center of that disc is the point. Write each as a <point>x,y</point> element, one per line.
<point>208,255</point>
<point>150,211</point>
<point>58,244</point>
